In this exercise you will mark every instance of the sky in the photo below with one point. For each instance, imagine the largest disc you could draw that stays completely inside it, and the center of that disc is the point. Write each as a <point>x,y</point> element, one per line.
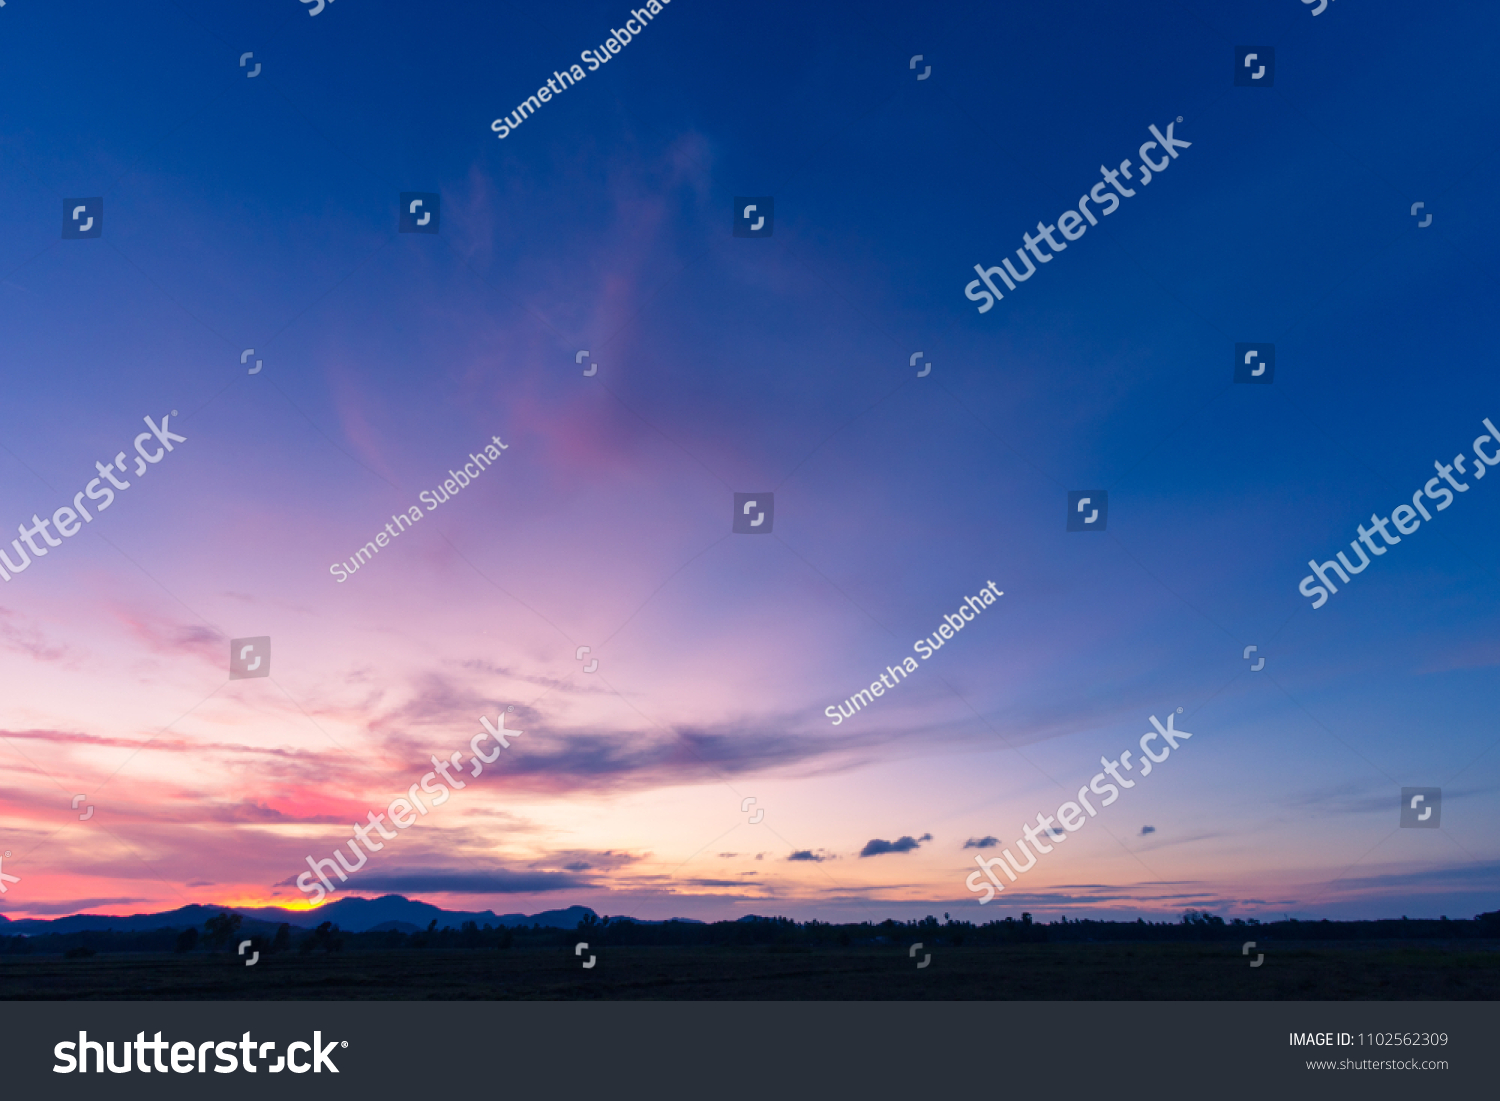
<point>249,223</point>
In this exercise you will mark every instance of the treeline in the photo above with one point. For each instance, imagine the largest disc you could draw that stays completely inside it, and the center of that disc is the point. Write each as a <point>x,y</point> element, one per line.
<point>224,931</point>
<point>1192,926</point>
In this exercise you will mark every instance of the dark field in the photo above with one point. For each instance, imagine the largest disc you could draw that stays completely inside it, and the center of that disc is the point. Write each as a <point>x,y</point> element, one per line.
<point>1369,970</point>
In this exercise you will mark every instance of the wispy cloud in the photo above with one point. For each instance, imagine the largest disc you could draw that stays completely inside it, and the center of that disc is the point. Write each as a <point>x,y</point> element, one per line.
<point>450,881</point>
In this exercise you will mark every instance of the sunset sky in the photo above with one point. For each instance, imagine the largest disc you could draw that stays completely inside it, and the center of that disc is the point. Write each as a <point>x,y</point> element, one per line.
<point>261,213</point>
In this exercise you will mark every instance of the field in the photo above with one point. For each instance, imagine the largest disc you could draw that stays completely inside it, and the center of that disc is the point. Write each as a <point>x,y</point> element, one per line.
<point>1370,970</point>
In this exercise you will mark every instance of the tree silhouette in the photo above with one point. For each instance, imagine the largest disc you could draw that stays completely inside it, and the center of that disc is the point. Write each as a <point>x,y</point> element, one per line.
<point>326,936</point>
<point>219,929</point>
<point>283,939</point>
<point>187,940</point>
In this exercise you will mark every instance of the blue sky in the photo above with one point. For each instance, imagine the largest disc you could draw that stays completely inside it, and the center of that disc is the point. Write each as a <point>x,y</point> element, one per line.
<point>261,213</point>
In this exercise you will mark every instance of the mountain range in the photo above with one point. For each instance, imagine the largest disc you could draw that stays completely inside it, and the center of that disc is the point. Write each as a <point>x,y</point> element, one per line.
<point>356,915</point>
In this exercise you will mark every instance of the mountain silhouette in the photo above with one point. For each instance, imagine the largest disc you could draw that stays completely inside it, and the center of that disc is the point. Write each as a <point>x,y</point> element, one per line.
<point>356,915</point>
